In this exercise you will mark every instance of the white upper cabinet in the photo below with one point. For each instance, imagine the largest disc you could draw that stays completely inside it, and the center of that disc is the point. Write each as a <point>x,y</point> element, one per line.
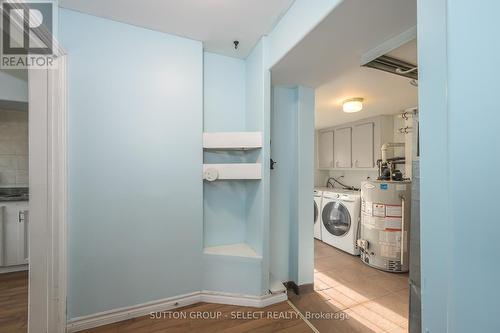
<point>325,150</point>
<point>362,145</point>
<point>342,148</point>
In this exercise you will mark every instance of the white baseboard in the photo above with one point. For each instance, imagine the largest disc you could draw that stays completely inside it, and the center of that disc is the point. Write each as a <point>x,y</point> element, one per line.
<point>242,300</point>
<point>121,314</point>
<point>12,269</point>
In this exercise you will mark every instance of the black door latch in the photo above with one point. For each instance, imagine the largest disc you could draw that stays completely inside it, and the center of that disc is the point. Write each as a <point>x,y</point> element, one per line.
<point>272,164</point>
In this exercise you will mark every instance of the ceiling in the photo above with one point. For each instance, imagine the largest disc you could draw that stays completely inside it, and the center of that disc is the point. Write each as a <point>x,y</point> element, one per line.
<point>217,23</point>
<point>406,52</point>
<point>328,59</point>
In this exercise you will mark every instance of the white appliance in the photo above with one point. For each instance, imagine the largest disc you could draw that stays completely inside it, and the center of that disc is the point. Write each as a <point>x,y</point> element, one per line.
<point>318,196</point>
<point>385,224</point>
<point>340,219</point>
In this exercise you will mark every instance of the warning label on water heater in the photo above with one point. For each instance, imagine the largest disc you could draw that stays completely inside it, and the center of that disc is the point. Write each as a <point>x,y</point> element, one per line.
<point>393,210</point>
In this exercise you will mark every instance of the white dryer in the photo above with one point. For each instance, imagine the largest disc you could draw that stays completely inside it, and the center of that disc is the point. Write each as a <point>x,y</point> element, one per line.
<point>318,195</point>
<point>340,215</point>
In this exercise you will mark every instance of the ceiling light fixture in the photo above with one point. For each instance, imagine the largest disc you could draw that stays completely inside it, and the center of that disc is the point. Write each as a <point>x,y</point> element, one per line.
<point>352,105</point>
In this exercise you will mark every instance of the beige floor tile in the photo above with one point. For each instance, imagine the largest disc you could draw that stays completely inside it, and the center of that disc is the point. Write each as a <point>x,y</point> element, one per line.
<point>392,283</point>
<point>375,301</point>
<point>377,319</point>
<point>390,307</point>
<point>339,299</point>
<point>323,294</point>
<point>355,324</point>
<point>362,288</point>
<point>398,330</point>
<point>329,279</point>
<point>404,294</point>
<point>320,285</point>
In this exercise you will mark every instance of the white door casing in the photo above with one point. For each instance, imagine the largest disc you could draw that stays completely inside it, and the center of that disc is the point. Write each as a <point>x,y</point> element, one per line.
<point>48,199</point>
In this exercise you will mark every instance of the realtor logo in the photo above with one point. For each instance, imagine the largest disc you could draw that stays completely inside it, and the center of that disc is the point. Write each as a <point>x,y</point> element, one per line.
<point>27,36</point>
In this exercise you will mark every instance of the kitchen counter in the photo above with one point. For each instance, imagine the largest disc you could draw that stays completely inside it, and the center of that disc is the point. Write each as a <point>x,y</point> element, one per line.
<point>8,194</point>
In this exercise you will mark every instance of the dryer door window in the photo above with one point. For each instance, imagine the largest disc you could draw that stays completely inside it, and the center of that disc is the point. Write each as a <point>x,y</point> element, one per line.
<point>336,218</point>
<point>316,212</point>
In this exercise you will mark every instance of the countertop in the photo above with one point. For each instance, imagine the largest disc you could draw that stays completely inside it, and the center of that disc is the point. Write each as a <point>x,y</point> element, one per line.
<point>8,194</point>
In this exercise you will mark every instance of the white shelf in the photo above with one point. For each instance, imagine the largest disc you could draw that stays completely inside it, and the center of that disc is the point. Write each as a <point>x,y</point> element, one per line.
<point>232,171</point>
<point>233,250</point>
<point>232,140</point>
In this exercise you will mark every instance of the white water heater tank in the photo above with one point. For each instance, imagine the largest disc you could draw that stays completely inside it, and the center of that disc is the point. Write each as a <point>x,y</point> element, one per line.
<point>385,224</point>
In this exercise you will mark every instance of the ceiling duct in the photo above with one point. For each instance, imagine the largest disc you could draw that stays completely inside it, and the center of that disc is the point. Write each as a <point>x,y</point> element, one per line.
<point>394,66</point>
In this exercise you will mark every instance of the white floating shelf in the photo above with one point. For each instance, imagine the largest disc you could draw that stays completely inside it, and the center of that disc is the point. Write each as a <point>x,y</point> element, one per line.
<point>233,250</point>
<point>233,171</point>
<point>232,140</point>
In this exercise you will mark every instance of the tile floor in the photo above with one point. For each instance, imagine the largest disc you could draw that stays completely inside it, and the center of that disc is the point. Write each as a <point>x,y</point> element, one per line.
<point>374,301</point>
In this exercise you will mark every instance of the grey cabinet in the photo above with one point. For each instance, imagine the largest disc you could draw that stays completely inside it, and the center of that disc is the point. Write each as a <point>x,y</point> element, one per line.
<point>13,233</point>
<point>325,150</point>
<point>354,145</point>
<point>342,148</point>
<point>362,145</point>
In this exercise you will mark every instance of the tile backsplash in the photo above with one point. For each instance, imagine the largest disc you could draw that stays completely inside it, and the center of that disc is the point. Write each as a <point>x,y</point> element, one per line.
<point>13,148</point>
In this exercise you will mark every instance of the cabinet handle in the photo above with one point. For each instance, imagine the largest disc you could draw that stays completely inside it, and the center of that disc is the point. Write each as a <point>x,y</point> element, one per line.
<point>2,238</point>
<point>355,163</point>
<point>336,164</point>
<point>21,216</point>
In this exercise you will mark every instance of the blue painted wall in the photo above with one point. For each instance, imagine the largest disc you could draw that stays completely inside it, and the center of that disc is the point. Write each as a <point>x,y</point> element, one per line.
<point>292,136</point>
<point>224,94</point>
<point>258,91</point>
<point>135,180</point>
<point>291,254</point>
<point>459,139</point>
<point>237,211</point>
<point>305,185</point>
<point>224,110</point>
<point>283,250</point>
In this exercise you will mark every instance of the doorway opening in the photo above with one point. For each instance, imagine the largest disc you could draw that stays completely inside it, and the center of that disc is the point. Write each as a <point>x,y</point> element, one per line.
<point>14,198</point>
<point>366,166</point>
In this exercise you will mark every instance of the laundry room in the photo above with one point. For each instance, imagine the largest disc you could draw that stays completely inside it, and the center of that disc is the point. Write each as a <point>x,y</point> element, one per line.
<point>366,164</point>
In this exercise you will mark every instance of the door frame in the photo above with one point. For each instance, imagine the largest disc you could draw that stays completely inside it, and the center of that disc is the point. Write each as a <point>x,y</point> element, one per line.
<point>48,198</point>
<point>48,191</point>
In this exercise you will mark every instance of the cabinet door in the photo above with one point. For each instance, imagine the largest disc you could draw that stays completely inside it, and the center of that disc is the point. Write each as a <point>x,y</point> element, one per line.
<point>325,149</point>
<point>15,234</point>
<point>342,148</point>
<point>362,145</point>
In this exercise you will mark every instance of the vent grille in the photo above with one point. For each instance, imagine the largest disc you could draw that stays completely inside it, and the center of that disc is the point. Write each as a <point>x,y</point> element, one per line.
<point>391,65</point>
<point>394,266</point>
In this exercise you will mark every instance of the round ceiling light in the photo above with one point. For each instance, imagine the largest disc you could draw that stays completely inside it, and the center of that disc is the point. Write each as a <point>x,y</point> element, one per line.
<point>352,105</point>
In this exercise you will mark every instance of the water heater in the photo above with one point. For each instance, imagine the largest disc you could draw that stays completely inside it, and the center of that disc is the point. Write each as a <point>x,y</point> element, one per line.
<point>385,224</point>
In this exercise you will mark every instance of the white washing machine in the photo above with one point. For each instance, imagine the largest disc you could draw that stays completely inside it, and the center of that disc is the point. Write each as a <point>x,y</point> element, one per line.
<point>318,195</point>
<point>340,215</point>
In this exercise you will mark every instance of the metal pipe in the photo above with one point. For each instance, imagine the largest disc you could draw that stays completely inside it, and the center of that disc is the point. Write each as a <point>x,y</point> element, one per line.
<point>390,145</point>
<point>402,229</point>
